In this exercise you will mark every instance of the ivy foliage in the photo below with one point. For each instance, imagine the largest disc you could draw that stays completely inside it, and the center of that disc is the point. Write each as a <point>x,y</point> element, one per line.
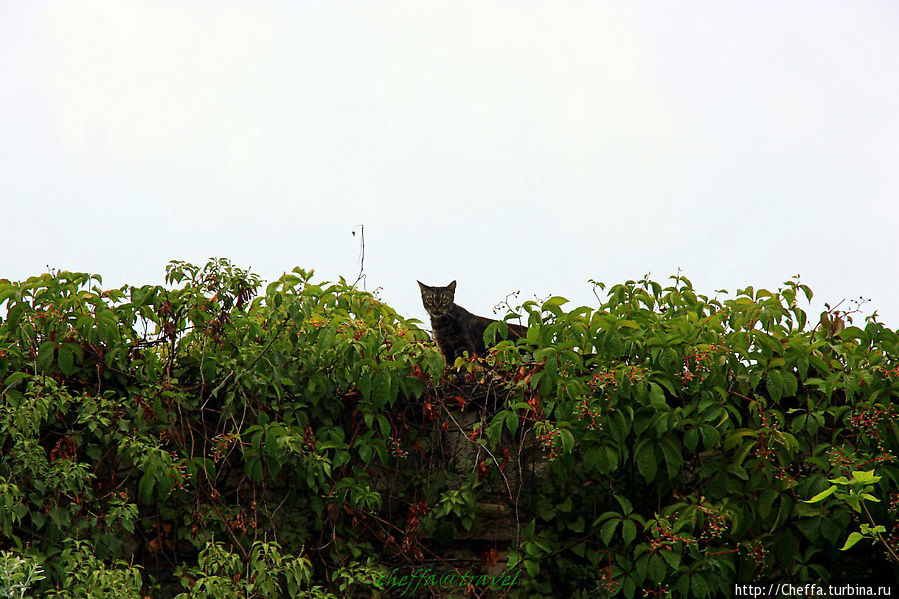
<point>214,438</point>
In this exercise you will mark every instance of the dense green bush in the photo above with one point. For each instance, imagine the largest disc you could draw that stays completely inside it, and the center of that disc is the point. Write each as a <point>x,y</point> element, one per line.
<point>204,440</point>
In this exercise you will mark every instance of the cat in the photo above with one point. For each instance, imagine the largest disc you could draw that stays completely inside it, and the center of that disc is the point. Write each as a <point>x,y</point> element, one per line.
<point>456,330</point>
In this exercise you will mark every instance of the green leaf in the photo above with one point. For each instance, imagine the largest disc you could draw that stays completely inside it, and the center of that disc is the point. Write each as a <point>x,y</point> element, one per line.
<point>700,586</point>
<point>611,461</point>
<point>253,468</point>
<point>66,360</point>
<point>592,456</point>
<point>553,305</point>
<point>384,425</point>
<point>672,558</point>
<point>642,421</point>
<point>822,495</point>
<point>868,529</point>
<point>626,506</point>
<point>492,329</point>
<point>791,384</point>
<point>740,455</point>
<point>673,458</point>
<point>495,428</point>
<point>578,525</point>
<point>775,384</point>
<point>866,477</point>
<point>710,436</point>
<point>7,291</point>
<point>820,365</point>
<point>605,516</point>
<point>852,540</point>
<point>606,459</point>
<point>45,354</point>
<point>628,531</point>
<point>736,437</point>
<point>657,569</point>
<point>691,438</point>
<point>802,367</point>
<point>567,439</point>
<point>629,587</point>
<point>616,425</point>
<point>511,421</point>
<point>766,501</point>
<point>738,471</point>
<point>608,530</point>
<point>15,377</point>
<point>145,488</point>
<point>645,457</point>
<point>657,396</point>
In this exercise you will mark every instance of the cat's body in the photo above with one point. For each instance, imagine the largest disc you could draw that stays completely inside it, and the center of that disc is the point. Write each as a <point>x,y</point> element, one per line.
<point>456,330</point>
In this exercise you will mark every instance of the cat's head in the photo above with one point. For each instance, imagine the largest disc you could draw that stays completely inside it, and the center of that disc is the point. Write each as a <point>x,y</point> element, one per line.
<point>437,300</point>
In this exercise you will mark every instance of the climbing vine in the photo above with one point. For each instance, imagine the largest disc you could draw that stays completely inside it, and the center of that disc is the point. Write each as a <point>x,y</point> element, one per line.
<point>217,437</point>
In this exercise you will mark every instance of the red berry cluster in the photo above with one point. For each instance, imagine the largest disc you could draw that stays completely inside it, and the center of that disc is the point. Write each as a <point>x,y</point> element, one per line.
<point>353,328</point>
<point>632,373</point>
<point>635,373</point>
<point>221,444</point>
<point>758,553</point>
<point>177,472</point>
<point>870,421</point>
<point>582,410</point>
<point>698,364</point>
<point>665,537</point>
<point>782,474</point>
<point>42,313</point>
<point>844,460</point>
<point>549,439</point>
<point>837,459</point>
<point>768,423</point>
<point>714,526</point>
<point>396,449</point>
<point>603,378</point>
<point>607,582</point>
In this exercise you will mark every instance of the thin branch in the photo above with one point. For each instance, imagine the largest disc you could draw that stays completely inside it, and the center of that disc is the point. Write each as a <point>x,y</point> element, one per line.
<point>361,276</point>
<point>882,540</point>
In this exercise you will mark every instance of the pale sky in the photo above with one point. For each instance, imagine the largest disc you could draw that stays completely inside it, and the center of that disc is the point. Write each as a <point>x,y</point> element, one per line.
<point>514,145</point>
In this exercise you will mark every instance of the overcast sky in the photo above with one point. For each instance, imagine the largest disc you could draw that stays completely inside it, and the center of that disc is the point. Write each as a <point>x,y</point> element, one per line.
<point>508,145</point>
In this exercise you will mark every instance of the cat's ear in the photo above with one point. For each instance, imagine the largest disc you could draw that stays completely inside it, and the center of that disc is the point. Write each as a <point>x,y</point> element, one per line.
<point>452,286</point>
<point>421,285</point>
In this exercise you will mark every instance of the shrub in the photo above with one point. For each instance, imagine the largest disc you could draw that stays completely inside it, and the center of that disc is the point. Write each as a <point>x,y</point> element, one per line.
<point>203,439</point>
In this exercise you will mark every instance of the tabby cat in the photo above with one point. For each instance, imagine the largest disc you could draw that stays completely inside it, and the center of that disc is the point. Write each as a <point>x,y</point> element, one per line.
<point>456,330</point>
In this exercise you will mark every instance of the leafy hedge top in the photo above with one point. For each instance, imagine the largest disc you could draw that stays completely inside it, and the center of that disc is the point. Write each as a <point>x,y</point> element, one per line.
<point>200,438</point>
